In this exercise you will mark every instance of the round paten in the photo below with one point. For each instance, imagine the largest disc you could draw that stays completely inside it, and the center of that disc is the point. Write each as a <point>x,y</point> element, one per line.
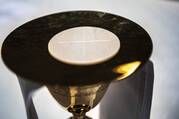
<point>25,51</point>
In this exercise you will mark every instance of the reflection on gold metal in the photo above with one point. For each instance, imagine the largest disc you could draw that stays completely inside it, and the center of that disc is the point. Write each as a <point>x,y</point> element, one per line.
<point>88,92</point>
<point>73,92</point>
<point>126,69</point>
<point>78,99</point>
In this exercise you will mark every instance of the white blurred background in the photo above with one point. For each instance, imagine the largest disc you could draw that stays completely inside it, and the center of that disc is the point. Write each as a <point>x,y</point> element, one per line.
<point>159,18</point>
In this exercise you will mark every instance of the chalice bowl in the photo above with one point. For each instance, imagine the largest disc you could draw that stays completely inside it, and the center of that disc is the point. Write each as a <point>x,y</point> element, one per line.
<point>78,99</point>
<point>77,54</point>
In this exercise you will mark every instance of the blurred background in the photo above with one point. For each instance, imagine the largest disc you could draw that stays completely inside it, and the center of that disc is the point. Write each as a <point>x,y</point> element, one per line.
<point>159,18</point>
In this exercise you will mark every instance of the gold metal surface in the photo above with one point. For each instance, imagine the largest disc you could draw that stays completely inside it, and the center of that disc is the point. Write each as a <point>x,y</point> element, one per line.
<point>126,69</point>
<point>78,99</point>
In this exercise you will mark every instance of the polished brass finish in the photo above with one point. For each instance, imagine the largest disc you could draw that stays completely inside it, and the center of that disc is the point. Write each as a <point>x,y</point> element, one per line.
<point>78,99</point>
<point>126,69</point>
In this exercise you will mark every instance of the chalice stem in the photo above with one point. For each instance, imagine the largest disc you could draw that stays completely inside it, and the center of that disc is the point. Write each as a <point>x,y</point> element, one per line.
<point>80,117</point>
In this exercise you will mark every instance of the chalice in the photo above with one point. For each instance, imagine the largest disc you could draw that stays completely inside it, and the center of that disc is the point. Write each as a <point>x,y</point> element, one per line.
<point>77,54</point>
